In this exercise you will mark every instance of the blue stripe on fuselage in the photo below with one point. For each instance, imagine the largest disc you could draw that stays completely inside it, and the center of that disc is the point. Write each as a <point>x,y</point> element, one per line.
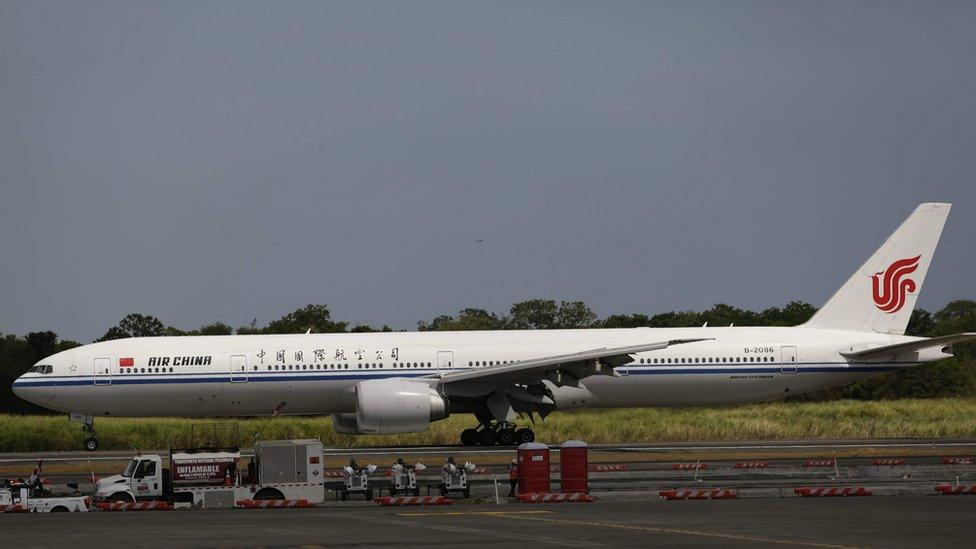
<point>260,377</point>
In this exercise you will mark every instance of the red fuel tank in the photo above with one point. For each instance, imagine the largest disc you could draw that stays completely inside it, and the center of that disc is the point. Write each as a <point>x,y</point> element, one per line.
<point>575,467</point>
<point>533,468</point>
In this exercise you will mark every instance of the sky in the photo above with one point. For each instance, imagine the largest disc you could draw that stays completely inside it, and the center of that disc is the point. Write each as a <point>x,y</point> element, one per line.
<point>204,161</point>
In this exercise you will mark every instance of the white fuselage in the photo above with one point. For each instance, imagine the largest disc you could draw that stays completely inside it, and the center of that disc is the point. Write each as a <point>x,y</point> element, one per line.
<point>315,373</point>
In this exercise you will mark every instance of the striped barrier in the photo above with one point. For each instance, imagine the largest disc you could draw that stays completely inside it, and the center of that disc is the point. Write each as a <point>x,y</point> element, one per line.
<point>416,500</point>
<point>607,468</point>
<point>688,466</point>
<point>137,506</point>
<point>820,463</point>
<point>957,461</point>
<point>888,462</point>
<point>575,497</point>
<point>333,474</point>
<point>751,465</point>
<point>713,493</point>
<point>15,508</point>
<point>949,490</point>
<point>480,471</point>
<point>837,491</point>
<point>274,504</point>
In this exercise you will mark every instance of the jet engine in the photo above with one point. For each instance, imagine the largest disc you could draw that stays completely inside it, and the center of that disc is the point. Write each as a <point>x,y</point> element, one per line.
<point>386,406</point>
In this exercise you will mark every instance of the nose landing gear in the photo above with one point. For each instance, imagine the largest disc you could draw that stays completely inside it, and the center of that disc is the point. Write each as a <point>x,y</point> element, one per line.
<point>503,433</point>
<point>91,443</point>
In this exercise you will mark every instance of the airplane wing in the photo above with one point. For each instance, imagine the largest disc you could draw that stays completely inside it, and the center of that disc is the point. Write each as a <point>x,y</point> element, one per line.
<point>560,369</point>
<point>886,351</point>
<point>519,387</point>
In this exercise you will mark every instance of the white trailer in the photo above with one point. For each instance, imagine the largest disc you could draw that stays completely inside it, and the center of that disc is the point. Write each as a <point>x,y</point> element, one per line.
<point>211,478</point>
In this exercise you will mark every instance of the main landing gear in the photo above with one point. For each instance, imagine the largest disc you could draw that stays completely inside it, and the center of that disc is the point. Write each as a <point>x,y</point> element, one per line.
<point>503,433</point>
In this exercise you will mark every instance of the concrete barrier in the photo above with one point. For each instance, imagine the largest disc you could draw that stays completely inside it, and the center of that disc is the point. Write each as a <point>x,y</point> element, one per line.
<point>710,493</point>
<point>574,497</point>
<point>835,491</point>
<point>949,490</point>
<point>751,465</point>
<point>607,468</point>
<point>688,466</point>
<point>274,504</point>
<point>413,500</point>
<point>136,506</point>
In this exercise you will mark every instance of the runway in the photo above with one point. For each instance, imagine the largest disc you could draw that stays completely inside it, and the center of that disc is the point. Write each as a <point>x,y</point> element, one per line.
<point>856,522</point>
<point>896,447</point>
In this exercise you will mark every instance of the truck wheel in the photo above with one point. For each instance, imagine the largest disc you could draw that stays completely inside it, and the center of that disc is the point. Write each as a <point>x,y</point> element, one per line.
<point>416,491</point>
<point>91,444</point>
<point>60,509</point>
<point>269,493</point>
<point>467,491</point>
<point>122,497</point>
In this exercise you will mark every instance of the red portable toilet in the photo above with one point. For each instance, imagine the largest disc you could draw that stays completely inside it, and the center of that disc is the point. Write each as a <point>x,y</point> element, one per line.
<point>574,473</point>
<point>533,468</point>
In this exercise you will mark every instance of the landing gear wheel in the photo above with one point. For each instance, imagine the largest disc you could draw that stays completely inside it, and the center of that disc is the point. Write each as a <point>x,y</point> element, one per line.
<point>487,437</point>
<point>469,437</point>
<point>524,435</point>
<point>506,437</point>
<point>91,444</point>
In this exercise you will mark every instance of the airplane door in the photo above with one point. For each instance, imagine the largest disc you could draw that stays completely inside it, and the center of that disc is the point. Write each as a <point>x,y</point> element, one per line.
<point>445,360</point>
<point>238,368</point>
<point>102,370</point>
<point>788,364</point>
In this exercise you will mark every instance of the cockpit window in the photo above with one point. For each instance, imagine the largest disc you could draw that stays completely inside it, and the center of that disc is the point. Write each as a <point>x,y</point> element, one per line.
<point>41,369</point>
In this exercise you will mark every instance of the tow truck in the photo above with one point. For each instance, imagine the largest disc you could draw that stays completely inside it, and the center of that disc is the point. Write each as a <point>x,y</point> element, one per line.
<point>212,478</point>
<point>30,496</point>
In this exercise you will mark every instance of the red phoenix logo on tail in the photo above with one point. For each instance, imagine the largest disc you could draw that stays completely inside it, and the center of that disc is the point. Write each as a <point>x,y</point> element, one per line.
<point>889,291</point>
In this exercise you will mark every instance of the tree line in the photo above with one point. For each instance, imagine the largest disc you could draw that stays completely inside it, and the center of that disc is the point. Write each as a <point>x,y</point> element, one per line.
<point>952,377</point>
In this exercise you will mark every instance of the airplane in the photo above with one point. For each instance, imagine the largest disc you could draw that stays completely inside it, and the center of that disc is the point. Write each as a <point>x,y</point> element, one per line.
<point>400,382</point>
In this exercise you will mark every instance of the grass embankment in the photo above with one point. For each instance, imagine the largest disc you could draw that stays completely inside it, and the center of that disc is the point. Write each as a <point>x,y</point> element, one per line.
<point>845,419</point>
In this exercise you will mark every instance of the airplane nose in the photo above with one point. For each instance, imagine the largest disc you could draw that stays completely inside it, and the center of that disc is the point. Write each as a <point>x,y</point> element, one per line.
<point>18,388</point>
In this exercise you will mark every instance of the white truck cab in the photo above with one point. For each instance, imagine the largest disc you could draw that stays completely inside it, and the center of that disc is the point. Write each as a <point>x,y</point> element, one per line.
<point>142,479</point>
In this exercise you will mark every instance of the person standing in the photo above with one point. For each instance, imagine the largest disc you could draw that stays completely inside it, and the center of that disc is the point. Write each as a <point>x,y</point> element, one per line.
<point>512,477</point>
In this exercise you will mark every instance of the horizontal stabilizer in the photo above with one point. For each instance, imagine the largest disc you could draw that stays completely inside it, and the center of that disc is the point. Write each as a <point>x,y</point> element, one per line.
<point>909,346</point>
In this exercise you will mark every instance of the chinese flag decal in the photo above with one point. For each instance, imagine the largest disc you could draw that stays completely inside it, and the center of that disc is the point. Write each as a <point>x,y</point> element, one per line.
<point>127,361</point>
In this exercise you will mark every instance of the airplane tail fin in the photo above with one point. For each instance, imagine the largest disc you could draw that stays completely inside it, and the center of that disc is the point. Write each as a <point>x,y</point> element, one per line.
<point>880,296</point>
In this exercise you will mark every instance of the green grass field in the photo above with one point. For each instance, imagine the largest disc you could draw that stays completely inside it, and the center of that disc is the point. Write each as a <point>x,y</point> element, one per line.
<point>934,418</point>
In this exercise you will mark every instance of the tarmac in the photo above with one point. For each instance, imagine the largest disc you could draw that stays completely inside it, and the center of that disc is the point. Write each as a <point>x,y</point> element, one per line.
<point>628,510</point>
<point>913,521</point>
